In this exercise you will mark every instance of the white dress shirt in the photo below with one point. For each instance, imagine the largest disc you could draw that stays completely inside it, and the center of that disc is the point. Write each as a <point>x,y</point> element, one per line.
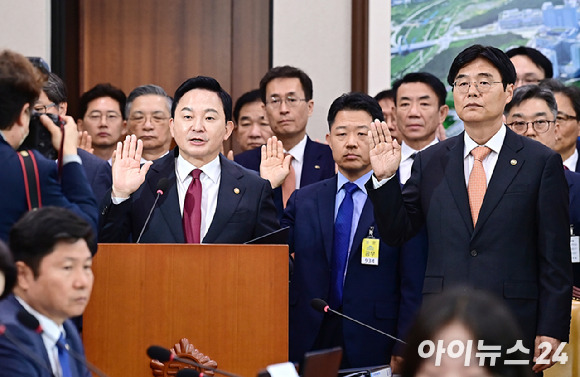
<point>210,182</point>
<point>495,144</point>
<point>297,153</point>
<point>571,161</point>
<point>407,158</point>
<point>50,334</point>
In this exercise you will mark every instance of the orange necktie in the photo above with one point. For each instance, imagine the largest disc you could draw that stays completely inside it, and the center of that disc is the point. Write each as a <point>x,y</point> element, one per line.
<point>477,182</point>
<point>289,184</point>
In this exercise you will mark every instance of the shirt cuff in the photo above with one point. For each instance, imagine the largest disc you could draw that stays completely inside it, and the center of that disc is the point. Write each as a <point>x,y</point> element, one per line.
<point>378,184</point>
<point>68,158</point>
<point>117,200</point>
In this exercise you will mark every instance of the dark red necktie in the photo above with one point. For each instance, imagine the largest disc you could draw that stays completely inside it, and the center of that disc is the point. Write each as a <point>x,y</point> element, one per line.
<point>192,209</point>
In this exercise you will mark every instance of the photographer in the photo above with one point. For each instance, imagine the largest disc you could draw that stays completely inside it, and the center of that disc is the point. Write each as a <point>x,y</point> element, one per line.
<point>20,86</point>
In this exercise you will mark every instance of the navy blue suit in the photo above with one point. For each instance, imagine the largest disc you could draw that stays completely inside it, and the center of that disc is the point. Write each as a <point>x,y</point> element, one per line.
<point>318,165</point>
<point>98,172</point>
<point>383,296</point>
<point>519,249</point>
<point>574,189</point>
<point>15,362</point>
<point>73,192</point>
<point>241,215</point>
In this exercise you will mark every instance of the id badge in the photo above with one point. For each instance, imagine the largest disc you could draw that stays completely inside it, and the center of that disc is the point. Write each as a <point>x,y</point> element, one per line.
<point>370,249</point>
<point>574,246</point>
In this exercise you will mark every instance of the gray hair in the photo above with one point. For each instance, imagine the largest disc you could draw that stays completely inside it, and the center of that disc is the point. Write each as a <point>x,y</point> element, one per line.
<point>146,90</point>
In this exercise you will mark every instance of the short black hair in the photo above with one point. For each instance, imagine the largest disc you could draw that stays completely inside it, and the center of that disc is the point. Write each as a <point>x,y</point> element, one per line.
<point>526,92</point>
<point>100,91</point>
<point>354,101</point>
<point>287,71</point>
<point>36,234</point>
<point>425,78</point>
<point>144,90</point>
<point>388,93</point>
<point>539,59</point>
<point>572,92</point>
<point>7,268</point>
<point>248,97</point>
<point>494,55</point>
<point>206,83</point>
<point>483,315</point>
<point>55,89</point>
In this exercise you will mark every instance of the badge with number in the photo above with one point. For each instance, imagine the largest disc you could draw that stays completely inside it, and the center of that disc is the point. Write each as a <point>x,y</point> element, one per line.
<point>370,249</point>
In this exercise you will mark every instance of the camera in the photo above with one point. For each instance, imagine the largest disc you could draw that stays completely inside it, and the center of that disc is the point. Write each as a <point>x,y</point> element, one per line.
<point>39,137</point>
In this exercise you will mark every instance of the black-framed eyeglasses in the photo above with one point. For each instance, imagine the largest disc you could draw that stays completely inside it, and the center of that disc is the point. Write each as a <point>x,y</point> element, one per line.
<point>43,109</point>
<point>482,86</point>
<point>290,101</point>
<point>540,126</point>
<point>565,117</point>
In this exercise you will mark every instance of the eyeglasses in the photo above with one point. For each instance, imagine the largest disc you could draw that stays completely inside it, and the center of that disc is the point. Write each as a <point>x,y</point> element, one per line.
<point>482,86</point>
<point>110,116</point>
<point>540,126</point>
<point>139,119</point>
<point>43,109</point>
<point>565,117</point>
<point>290,101</point>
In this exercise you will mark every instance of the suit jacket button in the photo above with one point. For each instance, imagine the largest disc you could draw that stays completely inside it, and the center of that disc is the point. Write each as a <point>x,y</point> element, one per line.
<point>473,253</point>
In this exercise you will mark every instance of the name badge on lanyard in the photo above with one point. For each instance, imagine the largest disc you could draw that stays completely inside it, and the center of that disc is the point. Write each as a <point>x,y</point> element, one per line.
<point>574,245</point>
<point>370,249</point>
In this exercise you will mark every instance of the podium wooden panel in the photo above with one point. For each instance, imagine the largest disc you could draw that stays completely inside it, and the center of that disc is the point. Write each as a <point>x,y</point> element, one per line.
<point>230,301</point>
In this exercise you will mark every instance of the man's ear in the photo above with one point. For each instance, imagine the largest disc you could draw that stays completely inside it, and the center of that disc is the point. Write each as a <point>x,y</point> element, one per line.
<point>24,275</point>
<point>62,108</point>
<point>229,129</point>
<point>24,116</point>
<point>80,126</point>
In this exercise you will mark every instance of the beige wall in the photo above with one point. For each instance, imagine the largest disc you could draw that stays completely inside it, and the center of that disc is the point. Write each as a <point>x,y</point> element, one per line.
<point>25,27</point>
<point>315,36</point>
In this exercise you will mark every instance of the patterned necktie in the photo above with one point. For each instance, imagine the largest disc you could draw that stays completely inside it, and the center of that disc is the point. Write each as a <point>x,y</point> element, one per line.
<point>63,356</point>
<point>477,184</point>
<point>289,184</point>
<point>342,226</point>
<point>192,209</point>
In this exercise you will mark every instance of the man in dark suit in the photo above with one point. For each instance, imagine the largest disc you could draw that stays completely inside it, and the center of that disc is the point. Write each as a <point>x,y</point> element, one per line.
<point>381,294</point>
<point>533,113</point>
<point>20,85</point>
<point>54,283</point>
<point>496,220</point>
<point>287,96</point>
<point>233,204</point>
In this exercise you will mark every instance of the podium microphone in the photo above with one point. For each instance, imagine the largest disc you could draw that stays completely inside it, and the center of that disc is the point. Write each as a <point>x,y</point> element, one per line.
<point>29,321</point>
<point>320,305</point>
<point>161,187</point>
<point>24,349</point>
<point>164,355</point>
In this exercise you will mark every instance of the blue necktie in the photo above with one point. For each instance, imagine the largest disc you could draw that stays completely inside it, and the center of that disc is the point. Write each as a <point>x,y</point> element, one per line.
<point>63,356</point>
<point>342,226</point>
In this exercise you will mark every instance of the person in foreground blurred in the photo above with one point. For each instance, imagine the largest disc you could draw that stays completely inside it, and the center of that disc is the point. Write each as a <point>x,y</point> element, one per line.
<point>54,283</point>
<point>7,271</point>
<point>472,326</point>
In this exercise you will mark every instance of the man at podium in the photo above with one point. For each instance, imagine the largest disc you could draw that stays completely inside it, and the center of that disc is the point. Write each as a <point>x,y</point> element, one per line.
<point>193,194</point>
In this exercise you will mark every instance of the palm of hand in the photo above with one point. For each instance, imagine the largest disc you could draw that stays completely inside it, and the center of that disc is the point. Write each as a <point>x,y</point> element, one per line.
<point>384,159</point>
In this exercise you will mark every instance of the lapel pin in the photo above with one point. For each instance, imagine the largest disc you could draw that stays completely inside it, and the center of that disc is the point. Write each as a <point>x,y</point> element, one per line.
<point>514,162</point>
<point>316,166</point>
<point>236,191</point>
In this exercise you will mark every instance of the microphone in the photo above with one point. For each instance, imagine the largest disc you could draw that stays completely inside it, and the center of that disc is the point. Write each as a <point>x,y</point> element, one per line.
<point>321,306</point>
<point>30,321</point>
<point>161,187</point>
<point>24,349</point>
<point>164,355</point>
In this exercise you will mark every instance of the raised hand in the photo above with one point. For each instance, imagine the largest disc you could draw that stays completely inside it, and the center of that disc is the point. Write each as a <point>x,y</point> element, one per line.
<point>128,174</point>
<point>385,152</point>
<point>274,166</point>
<point>86,142</point>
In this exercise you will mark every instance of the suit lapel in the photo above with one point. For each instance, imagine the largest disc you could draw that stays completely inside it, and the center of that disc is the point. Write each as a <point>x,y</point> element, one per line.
<point>453,163</point>
<point>169,202</point>
<point>311,166</point>
<point>227,200</point>
<point>508,164</point>
<point>326,200</point>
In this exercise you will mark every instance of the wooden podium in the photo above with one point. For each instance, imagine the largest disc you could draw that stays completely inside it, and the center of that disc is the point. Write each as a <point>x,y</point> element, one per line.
<point>230,301</point>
